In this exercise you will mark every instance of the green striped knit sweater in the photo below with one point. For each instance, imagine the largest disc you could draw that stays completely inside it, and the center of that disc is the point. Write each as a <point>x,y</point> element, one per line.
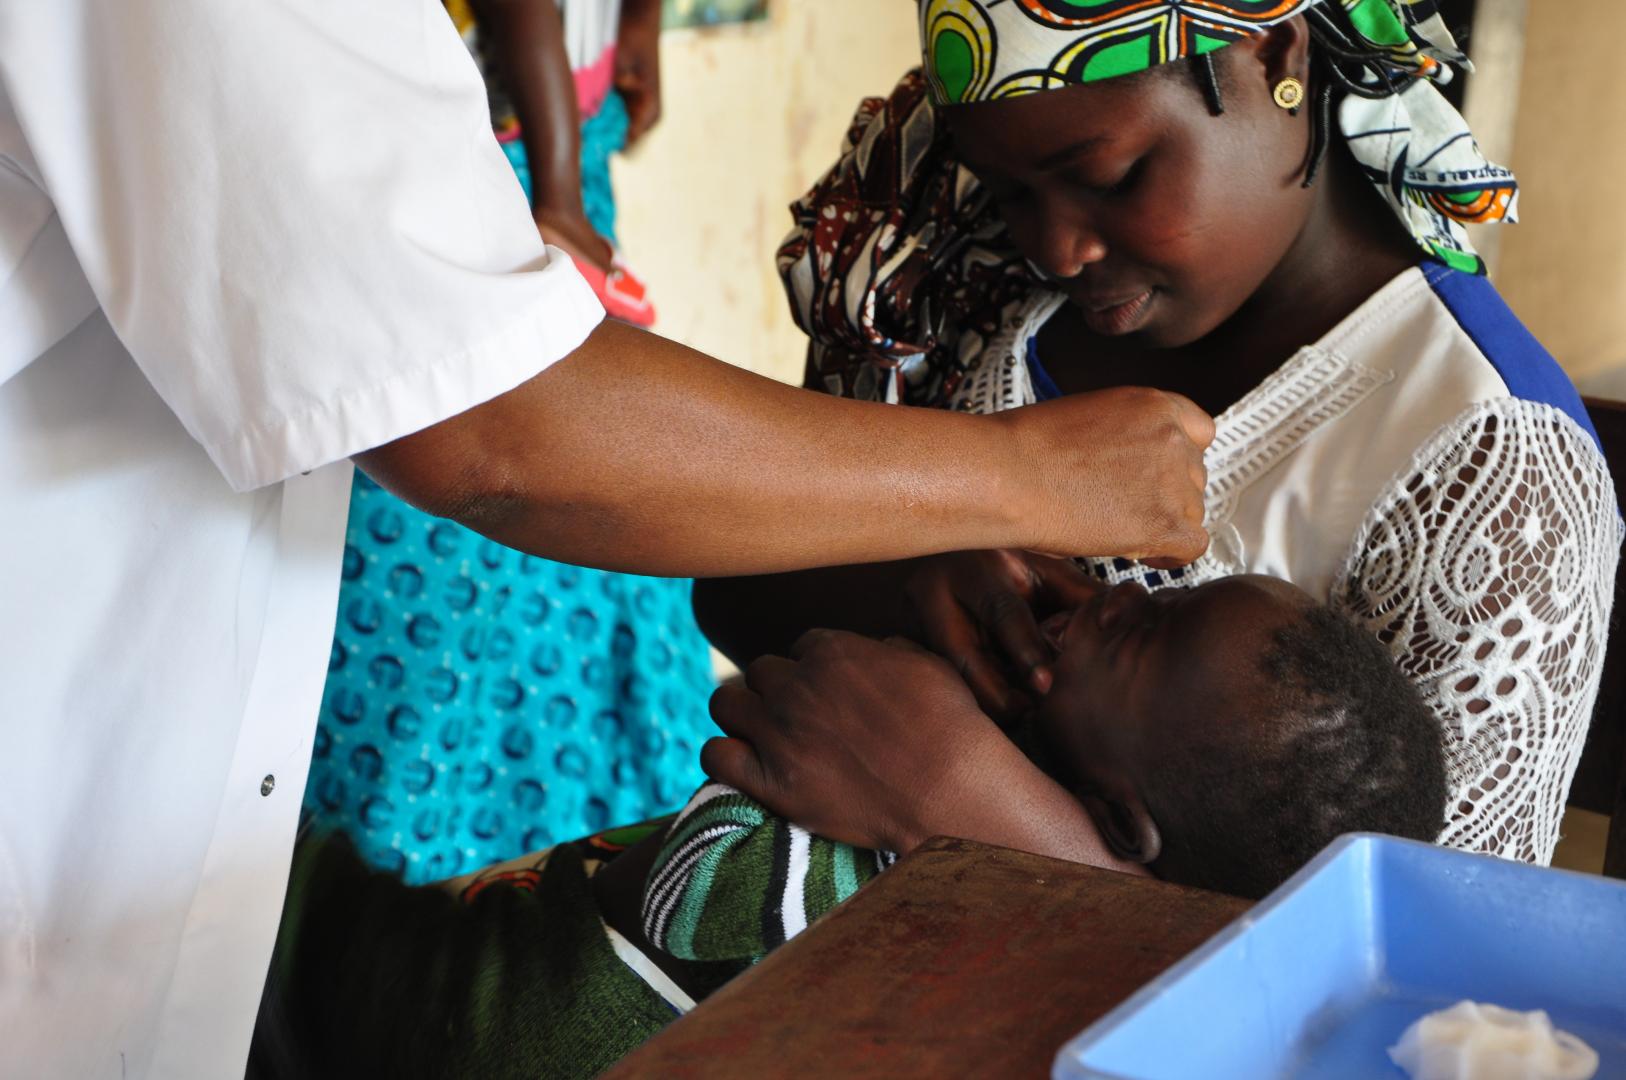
<point>732,880</point>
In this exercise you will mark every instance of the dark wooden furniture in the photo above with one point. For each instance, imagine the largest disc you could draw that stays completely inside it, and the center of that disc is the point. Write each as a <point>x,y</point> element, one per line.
<point>963,960</point>
<point>1600,781</point>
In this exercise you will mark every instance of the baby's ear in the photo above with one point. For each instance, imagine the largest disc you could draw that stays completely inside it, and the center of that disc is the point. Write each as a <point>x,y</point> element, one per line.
<point>1127,826</point>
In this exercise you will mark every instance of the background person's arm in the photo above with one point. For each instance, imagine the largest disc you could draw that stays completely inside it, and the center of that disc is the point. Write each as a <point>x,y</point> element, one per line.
<point>635,453</point>
<point>638,65</point>
<point>526,41</point>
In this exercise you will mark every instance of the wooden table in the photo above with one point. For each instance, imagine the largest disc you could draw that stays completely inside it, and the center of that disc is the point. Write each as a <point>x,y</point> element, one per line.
<point>962,960</point>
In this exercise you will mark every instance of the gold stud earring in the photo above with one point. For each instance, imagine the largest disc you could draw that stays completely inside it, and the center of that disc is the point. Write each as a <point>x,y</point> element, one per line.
<point>1289,94</point>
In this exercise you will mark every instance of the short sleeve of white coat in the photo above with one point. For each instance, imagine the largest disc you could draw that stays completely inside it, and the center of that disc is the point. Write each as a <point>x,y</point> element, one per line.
<point>293,213</point>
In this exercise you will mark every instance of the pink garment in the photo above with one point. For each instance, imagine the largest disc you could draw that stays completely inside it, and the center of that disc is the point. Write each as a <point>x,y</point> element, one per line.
<point>594,81</point>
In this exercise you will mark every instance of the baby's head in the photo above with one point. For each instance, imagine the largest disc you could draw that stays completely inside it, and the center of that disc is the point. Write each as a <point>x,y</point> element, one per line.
<point>1225,734</point>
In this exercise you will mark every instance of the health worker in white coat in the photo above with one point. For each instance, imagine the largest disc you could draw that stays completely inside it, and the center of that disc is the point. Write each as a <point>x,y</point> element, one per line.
<point>243,245</point>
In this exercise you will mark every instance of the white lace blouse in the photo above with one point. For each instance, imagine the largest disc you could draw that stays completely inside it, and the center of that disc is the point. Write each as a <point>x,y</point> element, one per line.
<point>1429,470</point>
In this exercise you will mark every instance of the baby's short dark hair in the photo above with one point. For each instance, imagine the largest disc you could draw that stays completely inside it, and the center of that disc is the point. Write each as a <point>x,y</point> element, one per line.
<point>1344,744</point>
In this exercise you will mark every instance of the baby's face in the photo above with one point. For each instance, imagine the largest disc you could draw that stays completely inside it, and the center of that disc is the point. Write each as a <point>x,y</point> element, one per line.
<point>1135,670</point>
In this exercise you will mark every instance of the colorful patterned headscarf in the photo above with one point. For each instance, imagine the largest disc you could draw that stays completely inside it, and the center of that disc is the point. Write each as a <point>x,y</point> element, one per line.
<point>985,50</point>
<point>1413,145</point>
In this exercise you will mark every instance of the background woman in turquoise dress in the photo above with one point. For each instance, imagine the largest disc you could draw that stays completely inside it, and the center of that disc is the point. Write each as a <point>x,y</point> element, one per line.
<point>481,703</point>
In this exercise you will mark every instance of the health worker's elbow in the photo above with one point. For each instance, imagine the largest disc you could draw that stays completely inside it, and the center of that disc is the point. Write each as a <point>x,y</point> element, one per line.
<point>481,491</point>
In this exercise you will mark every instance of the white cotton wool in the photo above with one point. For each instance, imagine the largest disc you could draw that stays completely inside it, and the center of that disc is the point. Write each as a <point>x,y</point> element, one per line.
<point>1470,1041</point>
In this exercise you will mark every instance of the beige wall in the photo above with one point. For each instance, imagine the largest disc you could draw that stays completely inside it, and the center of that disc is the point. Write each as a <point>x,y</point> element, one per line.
<point>753,115</point>
<point>1564,268</point>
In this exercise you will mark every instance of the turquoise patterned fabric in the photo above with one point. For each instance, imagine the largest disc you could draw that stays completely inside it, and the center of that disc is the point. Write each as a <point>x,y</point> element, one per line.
<point>481,703</point>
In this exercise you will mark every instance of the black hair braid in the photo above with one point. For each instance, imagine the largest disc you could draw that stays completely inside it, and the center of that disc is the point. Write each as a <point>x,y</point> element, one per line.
<point>1208,79</point>
<point>1338,66</point>
<point>1320,131</point>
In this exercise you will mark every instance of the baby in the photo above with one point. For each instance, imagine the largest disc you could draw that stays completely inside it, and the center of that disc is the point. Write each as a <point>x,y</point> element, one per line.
<point>1218,736</point>
<point>1221,736</point>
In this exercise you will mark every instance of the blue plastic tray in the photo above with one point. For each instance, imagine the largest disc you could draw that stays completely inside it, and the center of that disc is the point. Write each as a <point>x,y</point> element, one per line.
<point>1323,976</point>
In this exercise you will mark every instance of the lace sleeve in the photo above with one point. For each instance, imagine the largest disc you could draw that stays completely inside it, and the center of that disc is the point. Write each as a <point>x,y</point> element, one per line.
<point>1488,569</point>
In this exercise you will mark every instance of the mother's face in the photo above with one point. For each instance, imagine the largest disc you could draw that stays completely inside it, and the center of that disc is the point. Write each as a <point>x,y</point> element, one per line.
<point>1155,217</point>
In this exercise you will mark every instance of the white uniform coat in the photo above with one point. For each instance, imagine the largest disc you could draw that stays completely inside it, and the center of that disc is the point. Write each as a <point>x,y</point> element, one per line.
<point>239,242</point>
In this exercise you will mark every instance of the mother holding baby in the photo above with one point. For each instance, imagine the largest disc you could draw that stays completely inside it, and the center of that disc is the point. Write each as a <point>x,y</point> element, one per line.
<point>1259,204</point>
